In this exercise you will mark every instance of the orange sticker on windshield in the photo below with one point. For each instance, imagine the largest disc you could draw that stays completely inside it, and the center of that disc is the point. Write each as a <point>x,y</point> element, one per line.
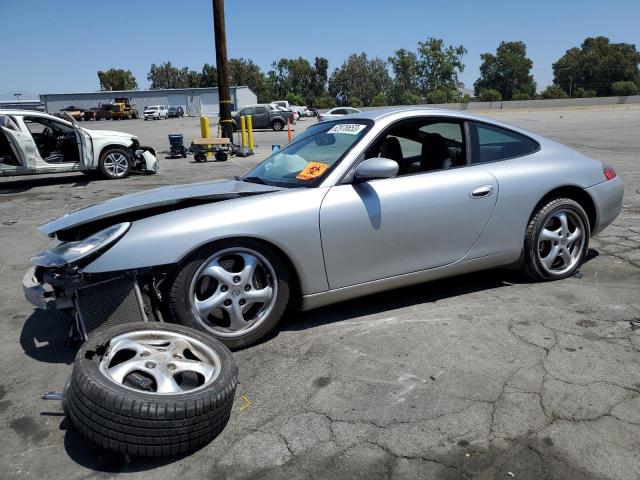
<point>312,170</point>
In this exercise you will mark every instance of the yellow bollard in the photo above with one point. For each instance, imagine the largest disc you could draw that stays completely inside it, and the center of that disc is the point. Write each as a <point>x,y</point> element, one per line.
<point>250,131</point>
<point>243,131</point>
<point>204,130</point>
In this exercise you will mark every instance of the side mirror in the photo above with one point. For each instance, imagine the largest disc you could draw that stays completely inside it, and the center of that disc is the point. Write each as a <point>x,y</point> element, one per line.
<point>377,167</point>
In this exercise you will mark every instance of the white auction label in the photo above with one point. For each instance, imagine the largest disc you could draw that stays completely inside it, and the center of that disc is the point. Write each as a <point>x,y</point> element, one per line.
<point>348,128</point>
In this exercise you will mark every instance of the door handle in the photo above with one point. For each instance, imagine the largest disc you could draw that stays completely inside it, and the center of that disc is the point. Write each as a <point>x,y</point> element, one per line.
<point>481,192</point>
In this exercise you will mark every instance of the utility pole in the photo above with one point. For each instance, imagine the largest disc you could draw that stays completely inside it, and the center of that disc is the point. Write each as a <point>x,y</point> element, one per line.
<point>570,87</point>
<point>220,37</point>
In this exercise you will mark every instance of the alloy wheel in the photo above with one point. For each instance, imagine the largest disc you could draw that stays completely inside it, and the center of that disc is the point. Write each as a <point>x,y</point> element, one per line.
<point>233,292</point>
<point>116,164</point>
<point>561,242</point>
<point>160,362</point>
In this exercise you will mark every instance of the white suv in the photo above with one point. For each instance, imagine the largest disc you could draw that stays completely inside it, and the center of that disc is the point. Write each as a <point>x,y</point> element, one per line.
<point>156,112</point>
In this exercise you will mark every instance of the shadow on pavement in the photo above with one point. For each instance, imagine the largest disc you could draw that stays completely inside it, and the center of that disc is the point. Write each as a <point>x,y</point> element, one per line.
<point>86,454</point>
<point>44,335</point>
<point>24,185</point>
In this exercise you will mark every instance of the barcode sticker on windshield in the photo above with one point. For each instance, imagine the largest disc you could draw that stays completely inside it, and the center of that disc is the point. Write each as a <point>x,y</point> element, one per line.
<point>348,128</point>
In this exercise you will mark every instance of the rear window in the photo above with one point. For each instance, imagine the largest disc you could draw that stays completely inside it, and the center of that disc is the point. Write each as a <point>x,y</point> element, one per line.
<point>494,143</point>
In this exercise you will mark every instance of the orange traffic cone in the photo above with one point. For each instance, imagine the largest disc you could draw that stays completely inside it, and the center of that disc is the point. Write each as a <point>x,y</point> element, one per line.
<point>289,134</point>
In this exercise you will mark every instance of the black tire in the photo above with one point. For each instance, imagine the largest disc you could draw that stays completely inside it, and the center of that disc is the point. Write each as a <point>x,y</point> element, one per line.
<point>106,172</point>
<point>200,157</point>
<point>179,305</point>
<point>221,156</point>
<point>141,423</point>
<point>277,125</point>
<point>533,266</point>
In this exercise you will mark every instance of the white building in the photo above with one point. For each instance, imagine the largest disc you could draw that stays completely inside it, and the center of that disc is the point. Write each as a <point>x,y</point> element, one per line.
<point>194,101</point>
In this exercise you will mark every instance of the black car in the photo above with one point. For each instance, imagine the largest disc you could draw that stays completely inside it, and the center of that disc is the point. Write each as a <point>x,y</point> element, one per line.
<point>175,112</point>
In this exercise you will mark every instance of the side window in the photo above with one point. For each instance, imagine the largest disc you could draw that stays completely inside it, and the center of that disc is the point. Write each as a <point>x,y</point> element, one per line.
<point>339,111</point>
<point>259,110</point>
<point>422,145</point>
<point>246,111</point>
<point>7,122</point>
<point>495,143</point>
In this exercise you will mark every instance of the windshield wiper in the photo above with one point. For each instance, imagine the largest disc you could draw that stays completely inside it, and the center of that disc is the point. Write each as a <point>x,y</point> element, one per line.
<point>254,180</point>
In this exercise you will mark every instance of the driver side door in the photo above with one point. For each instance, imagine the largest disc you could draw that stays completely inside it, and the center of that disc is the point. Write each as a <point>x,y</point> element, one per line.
<point>388,227</point>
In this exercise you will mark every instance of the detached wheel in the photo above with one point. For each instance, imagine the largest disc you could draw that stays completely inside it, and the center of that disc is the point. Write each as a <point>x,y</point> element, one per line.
<point>114,163</point>
<point>556,240</point>
<point>277,125</point>
<point>236,291</point>
<point>151,389</point>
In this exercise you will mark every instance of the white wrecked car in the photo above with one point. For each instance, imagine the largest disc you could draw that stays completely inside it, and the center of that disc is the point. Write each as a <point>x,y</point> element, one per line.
<point>35,142</point>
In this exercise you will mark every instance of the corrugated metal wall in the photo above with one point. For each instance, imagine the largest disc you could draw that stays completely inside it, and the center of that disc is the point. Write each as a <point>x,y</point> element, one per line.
<point>143,98</point>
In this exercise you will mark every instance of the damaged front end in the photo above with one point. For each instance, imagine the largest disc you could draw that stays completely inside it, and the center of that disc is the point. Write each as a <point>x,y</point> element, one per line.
<point>57,282</point>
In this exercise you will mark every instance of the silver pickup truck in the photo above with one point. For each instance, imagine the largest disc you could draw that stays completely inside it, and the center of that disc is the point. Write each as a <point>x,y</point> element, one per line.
<point>263,116</point>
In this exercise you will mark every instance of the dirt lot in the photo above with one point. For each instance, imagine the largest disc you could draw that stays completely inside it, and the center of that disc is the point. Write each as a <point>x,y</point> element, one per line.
<point>481,376</point>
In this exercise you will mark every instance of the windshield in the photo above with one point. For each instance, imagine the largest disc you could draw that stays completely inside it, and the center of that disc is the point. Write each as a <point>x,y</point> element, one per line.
<point>310,156</point>
<point>152,108</point>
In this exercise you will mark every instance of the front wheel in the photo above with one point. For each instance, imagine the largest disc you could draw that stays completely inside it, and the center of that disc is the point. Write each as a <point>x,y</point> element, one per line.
<point>556,240</point>
<point>236,291</point>
<point>114,163</point>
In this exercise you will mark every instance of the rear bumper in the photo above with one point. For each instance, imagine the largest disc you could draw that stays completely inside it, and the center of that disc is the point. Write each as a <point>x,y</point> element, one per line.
<point>607,198</point>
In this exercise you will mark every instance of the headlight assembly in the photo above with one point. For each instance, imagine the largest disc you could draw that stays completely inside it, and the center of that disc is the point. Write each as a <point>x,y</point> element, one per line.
<point>72,252</point>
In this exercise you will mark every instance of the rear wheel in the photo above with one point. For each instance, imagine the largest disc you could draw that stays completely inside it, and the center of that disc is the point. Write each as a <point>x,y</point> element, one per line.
<point>556,240</point>
<point>114,163</point>
<point>277,125</point>
<point>236,291</point>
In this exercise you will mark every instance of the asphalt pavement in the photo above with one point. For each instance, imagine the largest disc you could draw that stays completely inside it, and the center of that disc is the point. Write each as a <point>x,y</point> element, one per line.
<point>480,376</point>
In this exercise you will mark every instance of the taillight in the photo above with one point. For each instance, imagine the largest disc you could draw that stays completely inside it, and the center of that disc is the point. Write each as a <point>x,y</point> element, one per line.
<point>609,172</point>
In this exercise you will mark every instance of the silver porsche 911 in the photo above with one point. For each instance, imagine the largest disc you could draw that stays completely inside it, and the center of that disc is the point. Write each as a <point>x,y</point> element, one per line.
<point>373,201</point>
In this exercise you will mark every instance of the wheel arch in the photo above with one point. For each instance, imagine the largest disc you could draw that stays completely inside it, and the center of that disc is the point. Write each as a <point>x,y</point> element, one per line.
<point>110,146</point>
<point>293,271</point>
<point>575,193</point>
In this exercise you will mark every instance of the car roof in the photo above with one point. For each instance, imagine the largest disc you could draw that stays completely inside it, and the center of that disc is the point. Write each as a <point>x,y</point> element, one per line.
<point>23,112</point>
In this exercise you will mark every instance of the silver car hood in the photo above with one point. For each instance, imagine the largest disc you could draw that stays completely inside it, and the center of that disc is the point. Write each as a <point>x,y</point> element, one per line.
<point>158,197</point>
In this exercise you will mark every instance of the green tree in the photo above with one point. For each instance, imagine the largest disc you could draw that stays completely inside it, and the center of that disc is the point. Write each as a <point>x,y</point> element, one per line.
<point>168,76</point>
<point>405,77</point>
<point>208,76</point>
<point>508,71</point>
<point>193,78</point>
<point>623,89</point>
<point>293,75</point>
<point>554,92</point>
<point>117,79</point>
<point>320,78</point>
<point>437,96</point>
<point>438,66</point>
<point>490,95</point>
<point>597,64</point>
<point>294,98</point>
<point>379,100</point>
<point>324,101</point>
<point>410,98</point>
<point>359,78</point>
<point>245,72</point>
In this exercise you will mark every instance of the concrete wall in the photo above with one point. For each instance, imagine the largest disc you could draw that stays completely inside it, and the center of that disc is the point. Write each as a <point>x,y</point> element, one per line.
<point>503,105</point>
<point>195,101</point>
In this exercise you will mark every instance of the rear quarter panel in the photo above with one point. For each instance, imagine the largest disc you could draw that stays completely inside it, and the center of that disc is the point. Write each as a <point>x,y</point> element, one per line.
<point>523,182</point>
<point>287,219</point>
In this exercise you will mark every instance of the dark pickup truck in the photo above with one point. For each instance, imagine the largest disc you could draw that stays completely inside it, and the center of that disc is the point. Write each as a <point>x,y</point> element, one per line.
<point>263,116</point>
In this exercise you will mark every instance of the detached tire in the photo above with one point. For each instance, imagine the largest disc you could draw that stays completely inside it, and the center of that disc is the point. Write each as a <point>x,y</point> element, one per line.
<point>126,415</point>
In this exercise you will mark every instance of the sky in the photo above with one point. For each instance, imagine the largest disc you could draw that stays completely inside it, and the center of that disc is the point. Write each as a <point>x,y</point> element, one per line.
<point>59,45</point>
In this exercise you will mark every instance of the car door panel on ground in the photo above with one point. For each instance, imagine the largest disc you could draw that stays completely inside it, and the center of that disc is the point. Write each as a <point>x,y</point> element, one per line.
<point>383,228</point>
